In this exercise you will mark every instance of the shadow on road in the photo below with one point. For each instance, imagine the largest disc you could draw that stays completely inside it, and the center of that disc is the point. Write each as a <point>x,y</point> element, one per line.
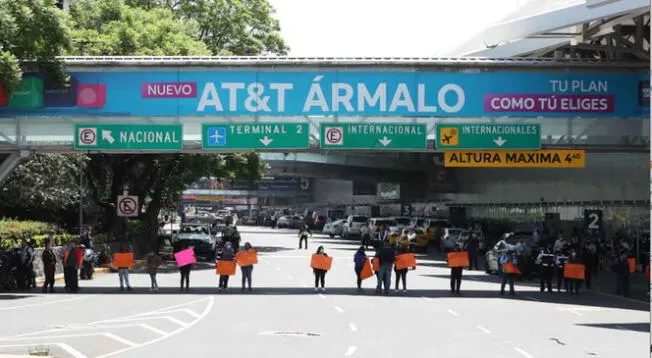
<point>638,327</point>
<point>584,299</point>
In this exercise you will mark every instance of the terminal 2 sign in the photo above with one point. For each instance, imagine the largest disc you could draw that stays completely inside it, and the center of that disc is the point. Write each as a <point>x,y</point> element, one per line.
<point>269,93</point>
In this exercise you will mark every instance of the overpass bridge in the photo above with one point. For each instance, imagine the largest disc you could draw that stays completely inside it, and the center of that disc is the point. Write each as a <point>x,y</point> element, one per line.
<point>193,91</point>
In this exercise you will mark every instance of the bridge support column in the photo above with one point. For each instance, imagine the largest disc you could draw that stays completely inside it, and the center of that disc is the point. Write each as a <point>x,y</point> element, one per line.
<point>11,162</point>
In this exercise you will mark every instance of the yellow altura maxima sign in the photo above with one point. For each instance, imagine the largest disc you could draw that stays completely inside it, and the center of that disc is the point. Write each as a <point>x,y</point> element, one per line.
<point>515,159</point>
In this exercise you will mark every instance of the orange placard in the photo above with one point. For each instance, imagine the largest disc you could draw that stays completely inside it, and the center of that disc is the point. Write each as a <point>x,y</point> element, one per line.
<point>366,271</point>
<point>123,259</point>
<point>375,263</point>
<point>246,258</point>
<point>404,261</point>
<point>458,259</point>
<point>510,268</point>
<point>632,264</point>
<point>224,267</point>
<point>574,271</point>
<point>321,262</point>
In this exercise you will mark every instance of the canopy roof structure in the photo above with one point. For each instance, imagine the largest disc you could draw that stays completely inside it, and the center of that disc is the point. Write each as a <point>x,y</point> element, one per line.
<point>596,29</point>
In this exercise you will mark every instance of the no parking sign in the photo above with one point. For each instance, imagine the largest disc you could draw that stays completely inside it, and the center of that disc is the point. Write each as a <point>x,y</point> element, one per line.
<point>127,206</point>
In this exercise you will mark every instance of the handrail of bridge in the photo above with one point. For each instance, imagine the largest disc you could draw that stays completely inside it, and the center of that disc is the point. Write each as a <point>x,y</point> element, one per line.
<point>338,61</point>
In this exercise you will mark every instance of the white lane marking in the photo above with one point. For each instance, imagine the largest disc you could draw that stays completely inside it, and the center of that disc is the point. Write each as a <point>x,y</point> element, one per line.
<point>186,310</point>
<point>73,352</point>
<point>290,277</point>
<point>203,315</point>
<point>339,309</point>
<point>142,325</point>
<point>350,351</point>
<point>120,339</point>
<point>322,296</point>
<point>105,334</point>
<point>278,269</point>
<point>452,312</point>
<point>484,330</point>
<point>524,353</point>
<point>352,327</point>
<point>533,298</point>
<point>427,298</point>
<point>53,302</point>
<point>136,319</point>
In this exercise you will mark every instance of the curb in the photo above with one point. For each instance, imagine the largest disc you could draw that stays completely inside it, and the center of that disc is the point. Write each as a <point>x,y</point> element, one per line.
<point>98,270</point>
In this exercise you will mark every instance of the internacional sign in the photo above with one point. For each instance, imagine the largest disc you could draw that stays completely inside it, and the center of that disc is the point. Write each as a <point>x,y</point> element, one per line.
<point>270,93</point>
<point>377,136</point>
<point>515,159</point>
<point>128,137</point>
<point>257,136</point>
<point>488,136</point>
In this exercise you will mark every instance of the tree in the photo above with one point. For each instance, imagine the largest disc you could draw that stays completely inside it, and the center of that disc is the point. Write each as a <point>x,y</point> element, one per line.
<point>35,31</point>
<point>228,27</point>
<point>45,187</point>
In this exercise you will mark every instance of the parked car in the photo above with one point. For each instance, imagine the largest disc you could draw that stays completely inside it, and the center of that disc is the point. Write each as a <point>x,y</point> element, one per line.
<point>334,228</point>
<point>449,238</point>
<point>375,224</point>
<point>417,223</point>
<point>198,237</point>
<point>289,222</point>
<point>353,224</point>
<point>201,217</point>
<point>403,222</point>
<point>520,242</point>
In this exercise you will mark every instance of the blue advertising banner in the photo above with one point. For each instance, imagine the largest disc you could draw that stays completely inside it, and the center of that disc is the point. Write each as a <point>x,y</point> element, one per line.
<point>350,93</point>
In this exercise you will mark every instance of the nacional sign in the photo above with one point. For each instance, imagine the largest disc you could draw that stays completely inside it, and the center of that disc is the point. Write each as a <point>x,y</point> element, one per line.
<point>488,136</point>
<point>126,137</point>
<point>515,159</point>
<point>258,136</point>
<point>329,92</point>
<point>394,136</point>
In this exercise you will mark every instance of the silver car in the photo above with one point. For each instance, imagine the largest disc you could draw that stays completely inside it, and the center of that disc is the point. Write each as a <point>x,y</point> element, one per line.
<point>334,228</point>
<point>198,237</point>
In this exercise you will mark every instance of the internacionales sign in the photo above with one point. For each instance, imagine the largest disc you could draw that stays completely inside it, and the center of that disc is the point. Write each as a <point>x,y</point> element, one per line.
<point>125,137</point>
<point>516,159</point>
<point>488,136</point>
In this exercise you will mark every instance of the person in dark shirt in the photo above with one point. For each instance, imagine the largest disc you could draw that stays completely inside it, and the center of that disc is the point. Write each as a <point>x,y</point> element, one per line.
<point>386,256</point>
<point>49,266</point>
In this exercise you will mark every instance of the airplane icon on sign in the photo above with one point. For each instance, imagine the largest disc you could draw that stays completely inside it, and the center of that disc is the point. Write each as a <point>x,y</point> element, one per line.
<point>217,136</point>
<point>447,139</point>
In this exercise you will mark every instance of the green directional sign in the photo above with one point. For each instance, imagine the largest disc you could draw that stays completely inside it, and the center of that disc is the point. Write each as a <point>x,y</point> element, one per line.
<point>258,136</point>
<point>488,136</point>
<point>168,137</point>
<point>378,136</point>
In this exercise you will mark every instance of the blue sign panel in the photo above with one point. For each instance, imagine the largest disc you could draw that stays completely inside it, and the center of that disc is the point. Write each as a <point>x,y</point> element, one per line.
<point>349,93</point>
<point>217,136</point>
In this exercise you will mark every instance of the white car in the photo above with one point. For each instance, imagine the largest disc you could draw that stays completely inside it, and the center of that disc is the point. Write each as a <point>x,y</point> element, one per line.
<point>353,224</point>
<point>403,222</point>
<point>334,228</point>
<point>450,237</point>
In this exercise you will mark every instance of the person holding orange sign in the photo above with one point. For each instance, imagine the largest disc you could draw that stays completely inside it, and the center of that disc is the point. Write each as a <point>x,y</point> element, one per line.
<point>247,269</point>
<point>574,283</point>
<point>457,260</point>
<point>509,263</point>
<point>123,262</point>
<point>360,258</point>
<point>320,274</point>
<point>401,274</point>
<point>227,255</point>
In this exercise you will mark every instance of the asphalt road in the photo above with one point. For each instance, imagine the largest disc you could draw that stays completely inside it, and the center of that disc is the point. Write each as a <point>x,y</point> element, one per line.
<point>284,317</point>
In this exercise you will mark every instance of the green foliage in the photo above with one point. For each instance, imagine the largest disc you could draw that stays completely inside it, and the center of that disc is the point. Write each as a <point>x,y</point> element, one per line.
<point>109,28</point>
<point>35,31</point>
<point>44,183</point>
<point>13,231</point>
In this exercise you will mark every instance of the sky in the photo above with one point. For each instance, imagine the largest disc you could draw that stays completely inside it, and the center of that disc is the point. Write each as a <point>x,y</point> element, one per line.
<point>388,28</point>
